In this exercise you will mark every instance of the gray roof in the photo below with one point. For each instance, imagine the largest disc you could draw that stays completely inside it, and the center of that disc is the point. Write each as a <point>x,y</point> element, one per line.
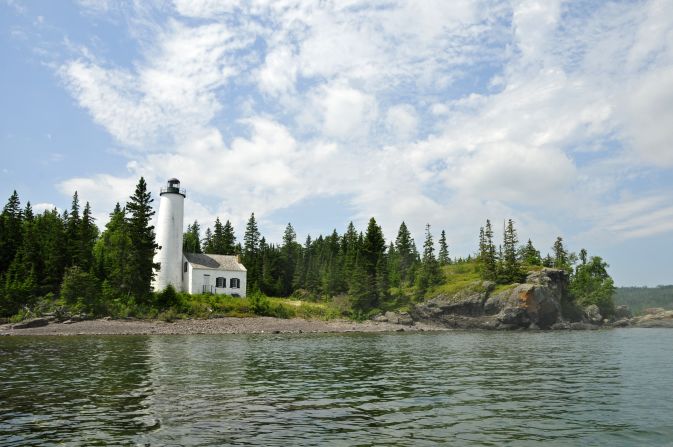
<point>214,262</point>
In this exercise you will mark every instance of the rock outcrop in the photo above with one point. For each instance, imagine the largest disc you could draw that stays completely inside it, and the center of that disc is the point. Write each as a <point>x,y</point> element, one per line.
<point>653,318</point>
<point>34,322</point>
<point>534,304</point>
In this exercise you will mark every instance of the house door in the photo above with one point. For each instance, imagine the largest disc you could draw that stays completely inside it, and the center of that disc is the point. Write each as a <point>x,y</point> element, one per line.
<point>206,284</point>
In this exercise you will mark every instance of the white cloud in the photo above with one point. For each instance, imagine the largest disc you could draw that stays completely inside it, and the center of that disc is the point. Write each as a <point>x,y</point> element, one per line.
<point>402,121</point>
<point>259,105</point>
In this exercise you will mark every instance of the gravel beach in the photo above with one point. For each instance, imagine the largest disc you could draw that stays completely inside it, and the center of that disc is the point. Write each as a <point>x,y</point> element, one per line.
<point>227,325</point>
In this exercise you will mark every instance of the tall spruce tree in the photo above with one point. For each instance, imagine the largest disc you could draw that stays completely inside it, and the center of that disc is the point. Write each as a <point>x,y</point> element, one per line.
<point>487,256</point>
<point>143,245</point>
<point>289,253</point>
<point>406,253</point>
<point>191,240</point>
<point>560,256</point>
<point>10,231</point>
<point>443,254</point>
<point>511,266</point>
<point>251,253</point>
<point>430,273</point>
<point>530,255</point>
<point>112,254</point>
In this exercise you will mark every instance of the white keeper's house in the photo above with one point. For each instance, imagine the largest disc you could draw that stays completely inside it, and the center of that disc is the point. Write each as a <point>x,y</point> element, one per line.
<point>190,272</point>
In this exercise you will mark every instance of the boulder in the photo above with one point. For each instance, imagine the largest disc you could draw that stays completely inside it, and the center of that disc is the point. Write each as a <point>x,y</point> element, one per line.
<point>622,312</point>
<point>468,302</point>
<point>515,317</point>
<point>33,322</point>
<point>536,302</point>
<point>405,319</point>
<point>397,318</point>
<point>592,314</point>
<point>662,318</point>
<point>380,318</point>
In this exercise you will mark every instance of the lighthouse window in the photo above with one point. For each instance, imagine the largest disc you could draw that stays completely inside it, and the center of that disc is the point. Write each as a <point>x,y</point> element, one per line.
<point>235,283</point>
<point>184,268</point>
<point>220,282</point>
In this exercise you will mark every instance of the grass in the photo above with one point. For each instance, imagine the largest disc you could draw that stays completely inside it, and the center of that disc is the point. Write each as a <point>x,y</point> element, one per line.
<point>457,277</point>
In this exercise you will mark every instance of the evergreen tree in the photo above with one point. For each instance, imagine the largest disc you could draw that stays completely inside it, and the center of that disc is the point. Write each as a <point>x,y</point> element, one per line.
<point>406,253</point>
<point>229,240</point>
<point>112,254</point>
<point>487,256</point>
<point>141,265</point>
<point>430,273</point>
<point>88,233</point>
<point>73,233</point>
<point>591,284</point>
<point>207,243</point>
<point>560,255</point>
<point>290,250</point>
<point>511,267</point>
<point>529,255</point>
<point>10,231</point>
<point>191,240</point>
<point>373,247</point>
<point>350,246</point>
<point>251,252</point>
<point>443,254</point>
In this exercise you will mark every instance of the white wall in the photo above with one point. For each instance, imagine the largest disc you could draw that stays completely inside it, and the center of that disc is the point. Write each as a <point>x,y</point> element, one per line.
<point>194,281</point>
<point>169,238</point>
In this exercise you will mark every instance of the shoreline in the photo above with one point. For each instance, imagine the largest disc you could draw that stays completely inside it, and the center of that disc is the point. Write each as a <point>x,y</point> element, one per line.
<point>223,325</point>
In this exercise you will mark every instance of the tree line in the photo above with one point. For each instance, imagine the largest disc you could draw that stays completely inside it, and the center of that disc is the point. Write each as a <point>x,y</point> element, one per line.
<point>64,255</point>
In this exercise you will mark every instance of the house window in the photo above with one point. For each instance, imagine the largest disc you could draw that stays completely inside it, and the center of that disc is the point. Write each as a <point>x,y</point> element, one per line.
<point>184,268</point>
<point>220,282</point>
<point>235,283</point>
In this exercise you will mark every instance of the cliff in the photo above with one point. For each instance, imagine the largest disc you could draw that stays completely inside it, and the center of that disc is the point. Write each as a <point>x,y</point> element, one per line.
<point>536,304</point>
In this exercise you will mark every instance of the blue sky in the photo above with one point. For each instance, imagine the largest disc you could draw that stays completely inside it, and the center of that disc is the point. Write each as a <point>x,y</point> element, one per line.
<point>556,114</point>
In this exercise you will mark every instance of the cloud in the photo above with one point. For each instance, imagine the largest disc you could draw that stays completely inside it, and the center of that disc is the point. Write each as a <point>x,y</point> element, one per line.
<point>440,112</point>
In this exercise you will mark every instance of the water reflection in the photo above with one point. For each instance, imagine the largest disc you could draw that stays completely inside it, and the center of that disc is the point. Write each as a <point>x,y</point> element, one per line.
<point>79,390</point>
<point>467,388</point>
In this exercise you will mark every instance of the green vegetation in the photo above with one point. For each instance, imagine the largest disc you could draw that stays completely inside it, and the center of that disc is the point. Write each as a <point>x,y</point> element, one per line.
<point>640,298</point>
<point>60,262</point>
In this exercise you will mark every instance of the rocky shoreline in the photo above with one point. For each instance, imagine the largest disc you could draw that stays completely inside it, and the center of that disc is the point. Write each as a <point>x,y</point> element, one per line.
<point>391,322</point>
<point>541,303</point>
<point>225,325</point>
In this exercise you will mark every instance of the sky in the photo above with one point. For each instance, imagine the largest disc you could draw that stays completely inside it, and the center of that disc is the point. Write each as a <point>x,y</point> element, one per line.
<point>556,114</point>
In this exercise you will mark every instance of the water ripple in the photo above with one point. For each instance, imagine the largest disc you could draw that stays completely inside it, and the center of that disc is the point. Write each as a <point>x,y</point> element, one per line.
<point>459,388</point>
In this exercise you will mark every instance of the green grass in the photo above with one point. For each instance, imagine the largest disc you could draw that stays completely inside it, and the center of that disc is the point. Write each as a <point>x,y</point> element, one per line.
<point>503,288</point>
<point>457,277</point>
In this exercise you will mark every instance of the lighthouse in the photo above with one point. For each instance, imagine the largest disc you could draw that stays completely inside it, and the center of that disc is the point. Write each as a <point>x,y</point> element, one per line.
<point>169,236</point>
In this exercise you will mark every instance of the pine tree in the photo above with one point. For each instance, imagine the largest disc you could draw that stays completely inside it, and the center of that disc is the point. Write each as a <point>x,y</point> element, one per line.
<point>10,231</point>
<point>289,255</point>
<point>511,266</point>
<point>207,243</point>
<point>88,233</point>
<point>228,246</point>
<point>73,233</point>
<point>443,254</point>
<point>251,252</point>
<point>406,252</point>
<point>191,240</point>
<point>373,247</point>
<point>112,253</point>
<point>529,255</point>
<point>141,233</point>
<point>430,273</point>
<point>560,255</point>
<point>487,257</point>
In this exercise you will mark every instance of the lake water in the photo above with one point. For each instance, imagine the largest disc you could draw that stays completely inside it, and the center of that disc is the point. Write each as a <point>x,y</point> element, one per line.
<point>612,388</point>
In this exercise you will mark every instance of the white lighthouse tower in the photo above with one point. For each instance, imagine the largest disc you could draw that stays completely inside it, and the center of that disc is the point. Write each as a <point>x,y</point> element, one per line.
<point>169,236</point>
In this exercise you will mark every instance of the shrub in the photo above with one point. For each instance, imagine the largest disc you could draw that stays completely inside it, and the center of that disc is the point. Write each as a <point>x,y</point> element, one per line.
<point>82,290</point>
<point>168,297</point>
